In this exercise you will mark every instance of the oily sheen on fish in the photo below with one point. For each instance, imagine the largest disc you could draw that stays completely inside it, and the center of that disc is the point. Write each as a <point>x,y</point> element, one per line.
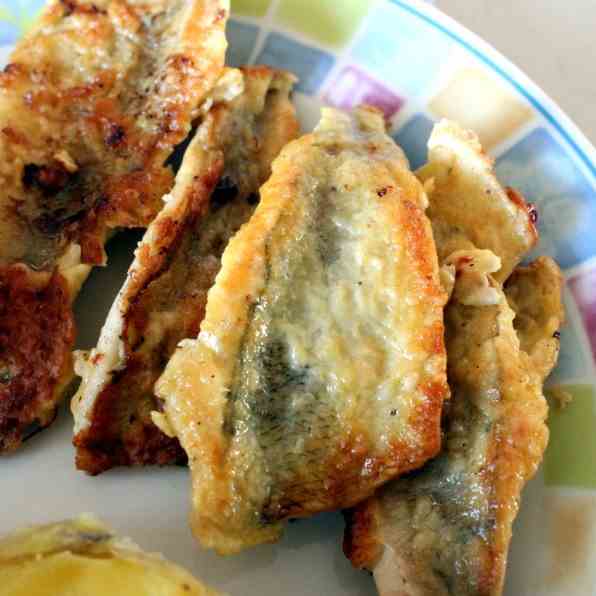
<point>319,371</point>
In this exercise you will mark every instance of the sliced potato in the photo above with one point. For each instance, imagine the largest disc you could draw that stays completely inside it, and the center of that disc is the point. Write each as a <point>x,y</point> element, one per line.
<point>82,557</point>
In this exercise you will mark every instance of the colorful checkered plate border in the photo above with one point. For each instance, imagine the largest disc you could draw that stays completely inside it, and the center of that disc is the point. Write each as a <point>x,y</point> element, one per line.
<point>418,66</point>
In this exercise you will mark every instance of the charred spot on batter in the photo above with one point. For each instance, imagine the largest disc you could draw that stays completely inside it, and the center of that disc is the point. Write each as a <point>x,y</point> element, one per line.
<point>225,191</point>
<point>12,68</point>
<point>533,213</point>
<point>59,213</point>
<point>70,7</point>
<point>115,135</point>
<point>48,179</point>
<point>62,197</point>
<point>381,192</point>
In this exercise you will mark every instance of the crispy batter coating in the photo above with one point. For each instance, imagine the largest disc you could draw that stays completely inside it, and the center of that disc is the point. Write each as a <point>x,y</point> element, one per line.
<point>37,330</point>
<point>469,208</point>
<point>163,299</point>
<point>319,371</point>
<point>445,529</point>
<point>93,102</point>
<point>534,293</point>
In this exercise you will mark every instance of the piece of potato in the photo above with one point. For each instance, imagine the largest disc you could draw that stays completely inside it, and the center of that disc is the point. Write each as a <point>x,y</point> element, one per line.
<point>82,557</point>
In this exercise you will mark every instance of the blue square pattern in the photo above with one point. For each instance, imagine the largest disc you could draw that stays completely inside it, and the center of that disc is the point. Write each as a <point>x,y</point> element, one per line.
<point>15,18</point>
<point>8,33</point>
<point>242,38</point>
<point>542,170</point>
<point>413,137</point>
<point>309,64</point>
<point>389,47</point>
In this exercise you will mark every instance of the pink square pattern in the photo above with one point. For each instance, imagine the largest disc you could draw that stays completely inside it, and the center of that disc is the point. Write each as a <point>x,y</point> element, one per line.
<point>353,87</point>
<point>583,287</point>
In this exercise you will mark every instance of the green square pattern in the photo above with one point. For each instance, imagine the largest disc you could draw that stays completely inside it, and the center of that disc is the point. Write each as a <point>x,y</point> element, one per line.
<point>326,21</point>
<point>250,8</point>
<point>570,458</point>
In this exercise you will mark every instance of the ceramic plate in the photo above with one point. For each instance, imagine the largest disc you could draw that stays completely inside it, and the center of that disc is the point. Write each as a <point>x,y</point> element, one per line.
<point>418,66</point>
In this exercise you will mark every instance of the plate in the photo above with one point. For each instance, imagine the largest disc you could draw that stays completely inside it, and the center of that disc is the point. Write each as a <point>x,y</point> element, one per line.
<point>417,65</point>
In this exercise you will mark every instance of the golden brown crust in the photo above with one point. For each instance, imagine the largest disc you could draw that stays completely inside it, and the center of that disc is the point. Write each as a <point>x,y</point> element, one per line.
<point>119,430</point>
<point>319,371</point>
<point>89,126</point>
<point>534,293</point>
<point>92,103</point>
<point>445,529</point>
<point>361,542</point>
<point>469,208</point>
<point>163,300</point>
<point>36,335</point>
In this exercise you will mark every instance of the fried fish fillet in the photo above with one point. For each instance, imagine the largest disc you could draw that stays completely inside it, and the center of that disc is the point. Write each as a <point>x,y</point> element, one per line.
<point>163,299</point>
<point>534,293</point>
<point>319,372</point>
<point>92,104</point>
<point>469,207</point>
<point>445,529</point>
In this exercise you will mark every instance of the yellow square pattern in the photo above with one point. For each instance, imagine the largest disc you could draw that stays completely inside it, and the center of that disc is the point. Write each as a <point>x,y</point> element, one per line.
<point>481,103</point>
